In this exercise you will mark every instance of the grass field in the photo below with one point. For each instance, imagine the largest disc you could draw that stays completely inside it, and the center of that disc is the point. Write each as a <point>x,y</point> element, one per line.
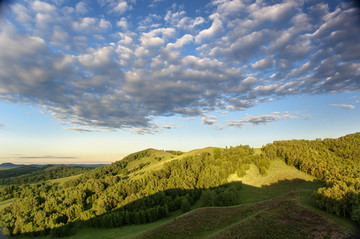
<point>282,217</point>
<point>278,171</point>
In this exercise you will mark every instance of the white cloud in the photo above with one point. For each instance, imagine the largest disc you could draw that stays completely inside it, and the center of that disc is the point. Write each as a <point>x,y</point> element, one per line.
<point>156,37</point>
<point>121,7</point>
<point>43,20</point>
<point>259,120</point>
<point>208,119</point>
<point>275,12</point>
<point>104,24</point>
<point>59,37</point>
<point>85,23</point>
<point>229,8</point>
<point>151,42</point>
<point>81,129</point>
<point>90,74</point>
<point>344,106</point>
<point>44,7</point>
<point>90,24</point>
<point>186,39</point>
<point>197,21</point>
<point>81,8</point>
<point>180,20</point>
<point>22,14</point>
<point>122,23</point>
<point>263,63</point>
<point>215,28</point>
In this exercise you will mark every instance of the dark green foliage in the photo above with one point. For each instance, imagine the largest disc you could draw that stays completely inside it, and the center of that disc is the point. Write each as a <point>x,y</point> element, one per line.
<point>221,196</point>
<point>185,205</point>
<point>208,198</point>
<point>63,231</point>
<point>335,161</point>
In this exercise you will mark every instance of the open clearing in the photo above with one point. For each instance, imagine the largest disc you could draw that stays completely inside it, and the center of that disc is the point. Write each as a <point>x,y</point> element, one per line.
<point>278,171</point>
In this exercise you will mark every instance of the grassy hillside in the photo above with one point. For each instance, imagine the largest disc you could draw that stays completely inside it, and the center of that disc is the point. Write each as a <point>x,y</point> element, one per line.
<point>282,217</point>
<point>275,205</point>
<point>151,185</point>
<point>334,161</point>
<point>278,170</point>
<point>279,180</point>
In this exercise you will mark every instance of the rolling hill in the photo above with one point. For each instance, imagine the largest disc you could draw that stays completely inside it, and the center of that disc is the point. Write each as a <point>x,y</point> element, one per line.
<point>153,185</point>
<point>281,217</point>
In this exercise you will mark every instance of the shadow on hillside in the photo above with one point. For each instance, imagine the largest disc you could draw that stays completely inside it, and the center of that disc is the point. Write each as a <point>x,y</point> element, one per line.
<point>161,204</point>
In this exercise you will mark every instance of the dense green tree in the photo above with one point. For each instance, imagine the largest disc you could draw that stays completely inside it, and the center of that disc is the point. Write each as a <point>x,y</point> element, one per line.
<point>208,198</point>
<point>185,205</point>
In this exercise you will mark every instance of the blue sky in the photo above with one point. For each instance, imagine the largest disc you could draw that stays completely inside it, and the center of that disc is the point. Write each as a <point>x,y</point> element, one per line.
<point>92,81</point>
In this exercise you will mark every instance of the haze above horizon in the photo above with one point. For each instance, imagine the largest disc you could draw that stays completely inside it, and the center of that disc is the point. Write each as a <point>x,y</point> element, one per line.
<point>92,81</point>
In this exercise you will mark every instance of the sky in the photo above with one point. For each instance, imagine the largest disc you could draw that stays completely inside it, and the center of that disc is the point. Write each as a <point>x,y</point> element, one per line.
<point>92,81</point>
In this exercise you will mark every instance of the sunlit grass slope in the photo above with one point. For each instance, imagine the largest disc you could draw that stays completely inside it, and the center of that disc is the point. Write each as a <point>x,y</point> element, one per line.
<point>282,217</point>
<point>277,171</point>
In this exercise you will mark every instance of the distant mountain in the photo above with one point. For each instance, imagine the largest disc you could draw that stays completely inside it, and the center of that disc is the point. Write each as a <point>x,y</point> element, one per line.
<point>17,170</point>
<point>9,165</point>
<point>31,174</point>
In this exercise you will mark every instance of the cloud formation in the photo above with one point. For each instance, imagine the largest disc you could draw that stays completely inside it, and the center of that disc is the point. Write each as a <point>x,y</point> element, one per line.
<point>111,65</point>
<point>251,120</point>
<point>344,106</point>
<point>208,119</point>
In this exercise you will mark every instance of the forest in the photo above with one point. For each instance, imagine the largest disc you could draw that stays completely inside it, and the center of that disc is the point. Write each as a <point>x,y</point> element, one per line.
<point>124,193</point>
